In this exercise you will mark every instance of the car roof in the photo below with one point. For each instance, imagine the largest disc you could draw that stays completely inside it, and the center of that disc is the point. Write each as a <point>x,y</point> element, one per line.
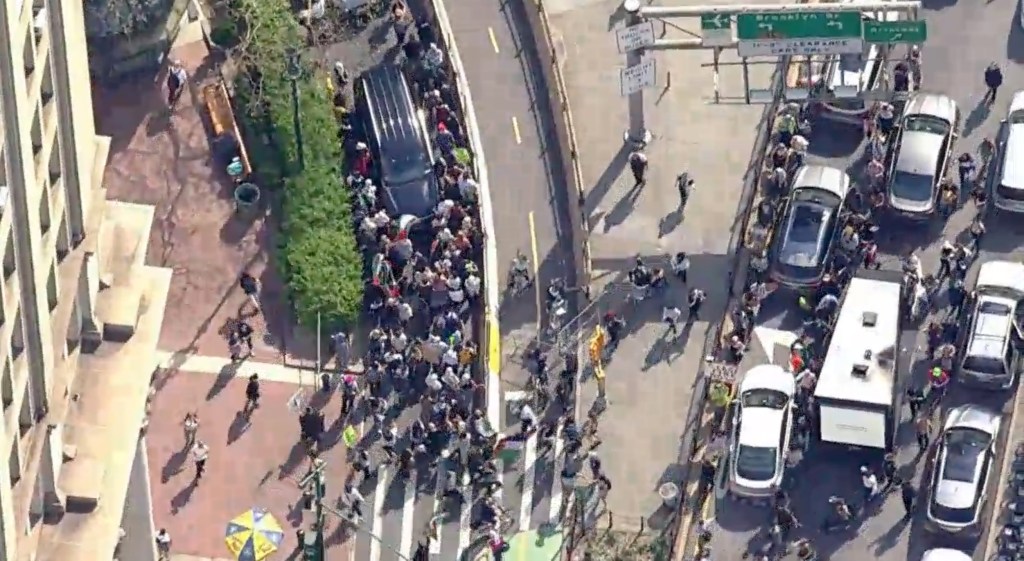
<point>768,376</point>
<point>826,178</point>
<point>1011,173</point>
<point>990,333</point>
<point>860,361</point>
<point>933,104</point>
<point>945,554</point>
<point>1007,275</point>
<point>761,426</point>
<point>919,152</point>
<point>393,112</point>
<point>1016,102</point>
<point>973,417</point>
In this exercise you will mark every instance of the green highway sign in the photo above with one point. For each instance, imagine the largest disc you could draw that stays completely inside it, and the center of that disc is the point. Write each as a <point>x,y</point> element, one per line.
<point>714,21</point>
<point>895,31</point>
<point>805,25</point>
<point>716,30</point>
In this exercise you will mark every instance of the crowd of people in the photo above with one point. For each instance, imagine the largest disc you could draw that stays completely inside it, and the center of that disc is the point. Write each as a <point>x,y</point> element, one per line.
<point>855,247</point>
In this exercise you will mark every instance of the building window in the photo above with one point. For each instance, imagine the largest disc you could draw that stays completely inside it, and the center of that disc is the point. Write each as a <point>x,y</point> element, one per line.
<point>17,337</point>
<point>7,385</point>
<point>29,53</point>
<point>9,262</point>
<point>44,210</point>
<point>63,243</point>
<point>14,464</point>
<point>37,131</point>
<point>51,287</point>
<point>55,163</point>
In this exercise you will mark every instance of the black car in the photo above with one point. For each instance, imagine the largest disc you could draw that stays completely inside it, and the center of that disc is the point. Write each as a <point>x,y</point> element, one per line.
<point>803,239</point>
<point>398,140</point>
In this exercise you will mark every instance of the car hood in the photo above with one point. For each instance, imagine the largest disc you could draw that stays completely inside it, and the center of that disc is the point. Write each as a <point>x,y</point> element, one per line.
<point>417,197</point>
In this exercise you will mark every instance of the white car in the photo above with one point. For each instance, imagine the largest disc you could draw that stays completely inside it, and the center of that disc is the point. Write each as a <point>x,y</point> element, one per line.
<point>960,471</point>
<point>762,424</point>
<point>944,554</point>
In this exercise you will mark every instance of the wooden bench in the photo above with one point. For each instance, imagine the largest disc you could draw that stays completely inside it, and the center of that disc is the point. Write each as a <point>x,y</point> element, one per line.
<point>222,119</point>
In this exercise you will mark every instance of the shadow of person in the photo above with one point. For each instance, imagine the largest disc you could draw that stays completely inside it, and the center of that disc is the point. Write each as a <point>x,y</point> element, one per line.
<point>977,116</point>
<point>227,372</point>
<point>174,465</point>
<point>238,426</point>
<point>184,496</point>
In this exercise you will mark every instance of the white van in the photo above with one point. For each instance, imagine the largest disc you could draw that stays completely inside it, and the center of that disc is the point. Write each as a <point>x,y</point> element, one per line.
<point>1009,189</point>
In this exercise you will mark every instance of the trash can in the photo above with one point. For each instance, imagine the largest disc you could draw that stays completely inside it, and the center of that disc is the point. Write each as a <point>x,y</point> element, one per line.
<point>669,493</point>
<point>247,198</point>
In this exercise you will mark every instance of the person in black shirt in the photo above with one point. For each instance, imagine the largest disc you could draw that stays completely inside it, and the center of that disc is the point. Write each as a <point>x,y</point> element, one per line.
<point>252,394</point>
<point>251,287</point>
<point>245,333</point>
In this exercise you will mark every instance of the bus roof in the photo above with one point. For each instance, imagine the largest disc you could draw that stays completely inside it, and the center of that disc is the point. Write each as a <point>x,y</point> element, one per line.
<point>860,363</point>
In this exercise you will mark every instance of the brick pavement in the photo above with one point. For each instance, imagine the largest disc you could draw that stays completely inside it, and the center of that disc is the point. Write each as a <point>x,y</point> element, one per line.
<point>651,381</point>
<point>251,464</point>
<point>164,160</point>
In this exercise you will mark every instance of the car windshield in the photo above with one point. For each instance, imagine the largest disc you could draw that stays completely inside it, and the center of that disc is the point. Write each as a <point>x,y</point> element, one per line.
<point>926,123</point>
<point>756,463</point>
<point>985,365</point>
<point>762,397</point>
<point>952,515</point>
<point>411,166</point>
<point>1016,117</point>
<point>806,228</point>
<point>964,449</point>
<point>912,186</point>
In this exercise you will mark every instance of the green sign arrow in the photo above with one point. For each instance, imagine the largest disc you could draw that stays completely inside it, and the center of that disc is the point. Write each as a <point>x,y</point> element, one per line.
<point>714,21</point>
<point>806,25</point>
<point>895,31</point>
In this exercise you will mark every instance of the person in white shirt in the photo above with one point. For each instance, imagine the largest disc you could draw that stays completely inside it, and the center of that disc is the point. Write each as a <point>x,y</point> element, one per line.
<point>527,418</point>
<point>163,544</point>
<point>455,292</point>
<point>434,382</point>
<point>680,265</point>
<point>405,312</point>
<point>468,188</point>
<point>355,501</point>
<point>381,219</point>
<point>449,378</point>
<point>869,482</point>
<point>200,453</point>
<point>473,286</point>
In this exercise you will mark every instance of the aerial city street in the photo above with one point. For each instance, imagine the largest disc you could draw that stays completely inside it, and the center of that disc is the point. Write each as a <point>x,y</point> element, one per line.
<point>602,280</point>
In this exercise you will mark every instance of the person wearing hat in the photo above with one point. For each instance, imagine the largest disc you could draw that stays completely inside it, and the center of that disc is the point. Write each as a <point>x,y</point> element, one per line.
<point>869,483</point>
<point>363,160</point>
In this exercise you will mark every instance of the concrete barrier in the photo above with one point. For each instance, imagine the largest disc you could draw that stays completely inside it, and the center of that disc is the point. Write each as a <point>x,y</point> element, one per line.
<point>490,335</point>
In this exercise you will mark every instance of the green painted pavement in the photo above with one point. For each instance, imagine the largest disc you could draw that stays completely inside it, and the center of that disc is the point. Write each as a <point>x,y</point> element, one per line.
<point>800,25</point>
<point>531,546</point>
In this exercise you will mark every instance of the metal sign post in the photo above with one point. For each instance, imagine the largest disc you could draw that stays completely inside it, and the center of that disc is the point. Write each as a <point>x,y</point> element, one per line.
<point>637,75</point>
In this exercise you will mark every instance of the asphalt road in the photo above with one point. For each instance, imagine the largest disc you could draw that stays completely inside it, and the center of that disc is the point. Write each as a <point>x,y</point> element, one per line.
<point>530,203</point>
<point>954,58</point>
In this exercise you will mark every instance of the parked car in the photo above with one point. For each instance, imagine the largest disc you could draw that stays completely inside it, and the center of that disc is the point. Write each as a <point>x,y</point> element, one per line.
<point>1008,164</point>
<point>802,244</point>
<point>849,78</point>
<point>945,554</point>
<point>924,141</point>
<point>397,136</point>
<point>762,425</point>
<point>966,451</point>
<point>991,357</point>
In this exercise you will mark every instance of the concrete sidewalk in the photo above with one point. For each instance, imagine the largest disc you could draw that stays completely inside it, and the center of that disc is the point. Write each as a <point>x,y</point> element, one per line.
<point>651,381</point>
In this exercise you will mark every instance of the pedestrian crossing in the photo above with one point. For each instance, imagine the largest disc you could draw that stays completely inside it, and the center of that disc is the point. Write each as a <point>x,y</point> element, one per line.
<point>398,510</point>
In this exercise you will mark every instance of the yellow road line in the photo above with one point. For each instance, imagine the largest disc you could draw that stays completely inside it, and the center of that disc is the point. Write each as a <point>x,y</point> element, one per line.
<point>535,264</point>
<point>494,40</point>
<point>515,130</point>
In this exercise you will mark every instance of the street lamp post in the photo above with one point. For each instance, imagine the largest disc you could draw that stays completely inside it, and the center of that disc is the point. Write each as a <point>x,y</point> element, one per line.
<point>293,72</point>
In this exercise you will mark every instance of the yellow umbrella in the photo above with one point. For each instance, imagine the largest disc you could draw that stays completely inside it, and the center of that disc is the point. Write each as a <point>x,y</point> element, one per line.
<point>253,535</point>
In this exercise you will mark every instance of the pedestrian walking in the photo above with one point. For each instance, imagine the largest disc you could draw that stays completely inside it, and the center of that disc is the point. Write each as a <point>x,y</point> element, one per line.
<point>355,501</point>
<point>234,347</point>
<point>670,315</point>
<point>177,78</point>
<point>977,231</point>
<point>190,425</point>
<point>594,461</point>
<point>909,497</point>
<point>245,333</point>
<point>252,394</point>
<point>680,265</point>
<point>251,288</point>
<point>993,79</point>
<point>638,165</point>
<point>163,544</point>
<point>696,300</point>
<point>923,428</point>
<point>200,453</point>
<point>869,483</point>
